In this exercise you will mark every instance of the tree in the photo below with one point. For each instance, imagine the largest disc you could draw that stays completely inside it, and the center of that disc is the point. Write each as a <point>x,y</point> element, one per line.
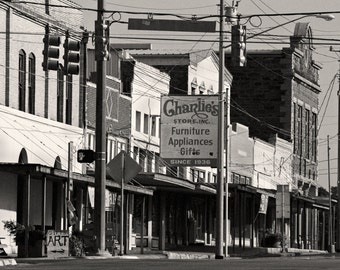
<point>323,192</point>
<point>334,192</point>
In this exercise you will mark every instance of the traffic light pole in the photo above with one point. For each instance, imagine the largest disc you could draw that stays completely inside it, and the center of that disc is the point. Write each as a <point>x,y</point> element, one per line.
<point>220,158</point>
<point>337,240</point>
<point>100,159</point>
<point>337,225</point>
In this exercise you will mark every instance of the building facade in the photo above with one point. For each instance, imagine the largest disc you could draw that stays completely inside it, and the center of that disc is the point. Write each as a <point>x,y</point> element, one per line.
<point>39,112</point>
<point>277,93</point>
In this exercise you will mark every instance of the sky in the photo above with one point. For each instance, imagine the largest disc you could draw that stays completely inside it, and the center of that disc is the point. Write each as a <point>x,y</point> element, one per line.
<point>328,117</point>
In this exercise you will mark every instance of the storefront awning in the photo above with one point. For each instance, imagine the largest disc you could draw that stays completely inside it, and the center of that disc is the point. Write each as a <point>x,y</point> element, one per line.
<point>44,141</point>
<point>38,171</point>
<point>204,188</point>
<point>161,181</point>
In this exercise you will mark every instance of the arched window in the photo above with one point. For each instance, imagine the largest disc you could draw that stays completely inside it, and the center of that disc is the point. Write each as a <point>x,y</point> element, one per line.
<point>31,83</point>
<point>23,157</point>
<point>57,163</point>
<point>22,80</point>
<point>60,96</point>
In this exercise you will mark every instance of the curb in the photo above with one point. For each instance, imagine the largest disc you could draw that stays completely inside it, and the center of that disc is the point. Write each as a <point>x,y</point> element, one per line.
<point>5,262</point>
<point>189,256</point>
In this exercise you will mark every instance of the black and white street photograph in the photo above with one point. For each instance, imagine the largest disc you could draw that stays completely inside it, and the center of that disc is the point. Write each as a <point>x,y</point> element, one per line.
<point>179,134</point>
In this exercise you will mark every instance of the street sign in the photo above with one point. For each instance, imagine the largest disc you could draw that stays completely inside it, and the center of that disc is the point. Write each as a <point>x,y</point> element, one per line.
<point>123,162</point>
<point>189,128</point>
<point>172,25</point>
<point>85,156</point>
<point>263,204</point>
<point>282,202</point>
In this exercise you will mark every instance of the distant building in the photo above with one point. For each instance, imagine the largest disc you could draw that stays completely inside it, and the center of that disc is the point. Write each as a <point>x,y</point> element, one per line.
<point>277,93</point>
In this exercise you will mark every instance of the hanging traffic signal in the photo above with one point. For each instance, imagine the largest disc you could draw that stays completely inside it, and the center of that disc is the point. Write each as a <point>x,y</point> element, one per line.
<point>71,55</point>
<point>102,39</point>
<point>51,51</point>
<point>238,45</point>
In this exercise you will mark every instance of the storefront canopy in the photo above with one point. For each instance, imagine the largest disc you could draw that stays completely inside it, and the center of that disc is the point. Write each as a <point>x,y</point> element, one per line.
<point>42,141</point>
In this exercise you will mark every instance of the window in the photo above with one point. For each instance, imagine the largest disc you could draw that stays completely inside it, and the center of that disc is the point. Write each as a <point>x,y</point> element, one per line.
<point>236,178</point>
<point>153,125</point>
<point>202,88</point>
<point>142,159</point>
<point>193,86</point>
<point>307,133</point>
<point>138,119</point>
<point>110,149</point>
<point>210,90</point>
<point>194,175</point>
<point>60,96</point>
<point>197,175</point>
<point>22,80</point>
<point>299,130</point>
<point>314,136</point>
<point>91,144</point>
<point>47,7</point>
<point>149,162</point>
<point>201,176</point>
<point>146,123</point>
<point>69,100</point>
<point>31,84</point>
<point>214,178</point>
<point>294,129</point>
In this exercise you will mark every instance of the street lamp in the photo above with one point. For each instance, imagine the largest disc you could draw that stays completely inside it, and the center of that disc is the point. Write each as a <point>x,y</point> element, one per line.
<point>327,17</point>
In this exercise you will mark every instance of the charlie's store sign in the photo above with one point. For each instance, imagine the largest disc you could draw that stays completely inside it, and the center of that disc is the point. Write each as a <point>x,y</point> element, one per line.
<point>189,126</point>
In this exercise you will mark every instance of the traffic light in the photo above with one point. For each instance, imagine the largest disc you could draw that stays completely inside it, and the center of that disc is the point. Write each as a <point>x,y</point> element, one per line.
<point>71,55</point>
<point>238,45</point>
<point>85,156</point>
<point>51,51</point>
<point>102,39</point>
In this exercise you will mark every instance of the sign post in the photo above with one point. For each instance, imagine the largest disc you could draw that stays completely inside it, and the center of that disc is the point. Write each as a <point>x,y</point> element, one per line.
<point>116,169</point>
<point>283,208</point>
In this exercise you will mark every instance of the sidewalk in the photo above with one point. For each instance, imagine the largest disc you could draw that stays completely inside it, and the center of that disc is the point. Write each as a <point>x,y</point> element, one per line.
<point>189,252</point>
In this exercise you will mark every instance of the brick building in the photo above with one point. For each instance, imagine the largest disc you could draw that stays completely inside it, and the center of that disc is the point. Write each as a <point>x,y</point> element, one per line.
<point>39,112</point>
<point>277,93</point>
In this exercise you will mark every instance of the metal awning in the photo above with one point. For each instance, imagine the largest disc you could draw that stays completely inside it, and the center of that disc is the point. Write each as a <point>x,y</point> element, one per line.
<point>204,188</point>
<point>161,181</point>
<point>38,171</point>
<point>269,193</point>
<point>43,140</point>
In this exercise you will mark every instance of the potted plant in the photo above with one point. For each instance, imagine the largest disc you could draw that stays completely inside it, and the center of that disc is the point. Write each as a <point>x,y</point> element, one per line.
<point>273,240</point>
<point>36,243</point>
<point>15,229</point>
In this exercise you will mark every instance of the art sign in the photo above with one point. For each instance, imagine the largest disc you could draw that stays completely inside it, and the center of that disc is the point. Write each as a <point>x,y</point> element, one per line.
<point>189,128</point>
<point>57,243</point>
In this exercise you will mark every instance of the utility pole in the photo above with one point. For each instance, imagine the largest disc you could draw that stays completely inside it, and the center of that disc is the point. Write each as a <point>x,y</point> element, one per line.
<point>337,240</point>
<point>337,225</point>
<point>330,223</point>
<point>220,159</point>
<point>100,157</point>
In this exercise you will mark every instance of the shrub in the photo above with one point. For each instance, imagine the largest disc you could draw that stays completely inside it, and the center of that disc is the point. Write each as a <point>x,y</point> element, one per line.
<point>18,231</point>
<point>76,246</point>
